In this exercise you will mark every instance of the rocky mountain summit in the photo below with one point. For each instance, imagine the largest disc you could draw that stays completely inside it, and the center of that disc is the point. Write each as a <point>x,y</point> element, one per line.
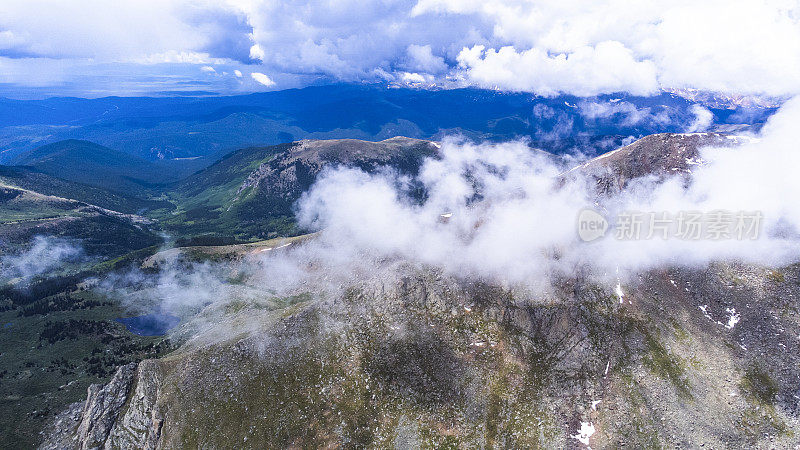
<point>657,155</point>
<point>688,357</point>
<point>275,185</point>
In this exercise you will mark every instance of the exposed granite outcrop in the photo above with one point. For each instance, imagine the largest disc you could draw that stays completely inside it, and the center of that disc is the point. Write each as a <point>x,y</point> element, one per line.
<point>119,414</point>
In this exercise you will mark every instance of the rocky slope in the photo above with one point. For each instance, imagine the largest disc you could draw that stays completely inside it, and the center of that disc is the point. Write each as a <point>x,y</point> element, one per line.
<point>688,358</point>
<point>657,155</point>
<point>703,357</point>
<point>275,185</point>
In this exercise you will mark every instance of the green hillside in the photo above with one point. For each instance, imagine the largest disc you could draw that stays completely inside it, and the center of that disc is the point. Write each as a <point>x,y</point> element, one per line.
<point>25,214</point>
<point>204,199</point>
<point>29,179</point>
<point>217,184</point>
<point>95,165</point>
<point>249,194</point>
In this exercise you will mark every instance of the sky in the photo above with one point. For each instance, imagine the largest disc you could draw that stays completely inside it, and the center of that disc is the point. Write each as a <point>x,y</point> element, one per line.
<point>94,48</point>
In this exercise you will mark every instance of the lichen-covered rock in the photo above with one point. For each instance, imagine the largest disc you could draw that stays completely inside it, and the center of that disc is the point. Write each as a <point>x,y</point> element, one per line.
<point>102,408</point>
<point>88,425</point>
<point>139,424</point>
<point>436,361</point>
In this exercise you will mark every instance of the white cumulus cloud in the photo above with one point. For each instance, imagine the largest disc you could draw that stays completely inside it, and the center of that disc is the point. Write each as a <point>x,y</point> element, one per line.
<point>262,79</point>
<point>579,47</point>
<point>522,227</point>
<point>702,119</point>
<point>606,68</point>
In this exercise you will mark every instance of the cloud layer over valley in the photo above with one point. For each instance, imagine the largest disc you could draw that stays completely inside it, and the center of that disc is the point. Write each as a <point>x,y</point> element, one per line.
<point>502,213</point>
<point>508,215</point>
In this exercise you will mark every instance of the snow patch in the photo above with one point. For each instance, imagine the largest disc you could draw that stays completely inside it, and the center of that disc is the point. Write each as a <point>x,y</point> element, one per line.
<point>694,162</point>
<point>619,293</point>
<point>584,433</point>
<point>739,139</point>
<point>704,308</point>
<point>733,318</point>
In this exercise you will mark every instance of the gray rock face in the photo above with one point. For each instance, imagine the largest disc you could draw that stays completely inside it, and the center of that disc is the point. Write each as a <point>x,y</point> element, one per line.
<point>281,181</point>
<point>61,433</point>
<point>139,426</point>
<point>311,155</point>
<point>120,414</point>
<point>657,155</point>
<point>102,407</point>
<point>98,414</point>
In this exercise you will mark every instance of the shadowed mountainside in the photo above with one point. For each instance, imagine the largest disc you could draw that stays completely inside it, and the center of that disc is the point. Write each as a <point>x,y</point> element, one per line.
<point>25,214</point>
<point>95,165</point>
<point>32,180</point>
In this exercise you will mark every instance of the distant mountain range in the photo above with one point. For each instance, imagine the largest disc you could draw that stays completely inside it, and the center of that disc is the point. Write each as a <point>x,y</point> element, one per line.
<point>206,128</point>
<point>250,193</point>
<point>232,167</point>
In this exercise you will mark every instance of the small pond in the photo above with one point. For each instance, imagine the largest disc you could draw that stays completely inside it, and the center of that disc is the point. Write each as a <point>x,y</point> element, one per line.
<point>153,324</point>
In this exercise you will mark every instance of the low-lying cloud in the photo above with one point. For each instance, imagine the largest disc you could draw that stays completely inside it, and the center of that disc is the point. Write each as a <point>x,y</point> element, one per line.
<point>702,119</point>
<point>44,254</point>
<point>500,213</point>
